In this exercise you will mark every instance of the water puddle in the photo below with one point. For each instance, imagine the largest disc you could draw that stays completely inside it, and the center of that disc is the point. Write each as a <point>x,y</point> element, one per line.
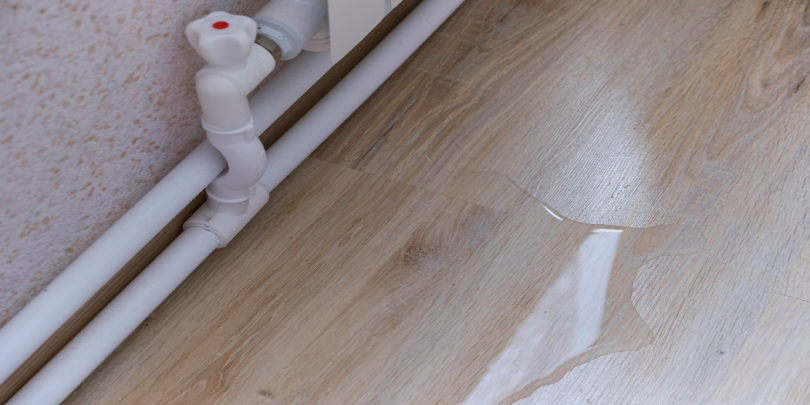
<point>578,279</point>
<point>583,285</point>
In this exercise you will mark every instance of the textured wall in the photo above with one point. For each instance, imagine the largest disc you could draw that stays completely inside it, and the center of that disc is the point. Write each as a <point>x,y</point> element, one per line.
<point>97,104</point>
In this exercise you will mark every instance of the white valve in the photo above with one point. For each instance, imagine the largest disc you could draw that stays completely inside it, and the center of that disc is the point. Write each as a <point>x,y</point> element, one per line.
<point>236,65</point>
<point>223,40</point>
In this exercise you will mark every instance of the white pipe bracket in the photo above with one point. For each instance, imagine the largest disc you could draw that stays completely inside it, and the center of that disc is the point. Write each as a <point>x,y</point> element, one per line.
<point>226,224</point>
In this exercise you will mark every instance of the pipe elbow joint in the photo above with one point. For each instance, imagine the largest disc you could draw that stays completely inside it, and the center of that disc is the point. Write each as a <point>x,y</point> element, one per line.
<point>246,159</point>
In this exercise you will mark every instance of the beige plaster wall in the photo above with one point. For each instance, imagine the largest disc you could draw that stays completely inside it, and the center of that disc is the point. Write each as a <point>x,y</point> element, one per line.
<point>97,104</point>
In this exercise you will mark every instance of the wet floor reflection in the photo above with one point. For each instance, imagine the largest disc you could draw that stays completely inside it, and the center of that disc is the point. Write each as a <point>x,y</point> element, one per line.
<point>576,278</point>
<point>564,324</point>
<point>472,292</point>
<point>583,309</point>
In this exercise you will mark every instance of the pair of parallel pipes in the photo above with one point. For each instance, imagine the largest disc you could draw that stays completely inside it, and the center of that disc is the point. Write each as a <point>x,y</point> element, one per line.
<point>235,67</point>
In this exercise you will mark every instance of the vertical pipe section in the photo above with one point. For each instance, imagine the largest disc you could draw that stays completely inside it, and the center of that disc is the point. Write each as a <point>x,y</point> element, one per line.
<point>286,86</point>
<point>100,338</point>
<point>323,119</point>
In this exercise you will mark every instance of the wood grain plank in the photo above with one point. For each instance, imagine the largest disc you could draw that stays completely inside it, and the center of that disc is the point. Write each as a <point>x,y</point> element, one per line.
<point>772,367</point>
<point>636,114</point>
<point>319,306</point>
<point>680,123</point>
<point>797,284</point>
<point>411,317</point>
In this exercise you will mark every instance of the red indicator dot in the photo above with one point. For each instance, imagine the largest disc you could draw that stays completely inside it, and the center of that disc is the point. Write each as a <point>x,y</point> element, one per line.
<point>220,25</point>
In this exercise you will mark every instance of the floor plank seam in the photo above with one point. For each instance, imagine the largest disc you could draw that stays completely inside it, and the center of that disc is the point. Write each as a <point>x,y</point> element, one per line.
<point>795,298</point>
<point>420,188</point>
<point>474,45</point>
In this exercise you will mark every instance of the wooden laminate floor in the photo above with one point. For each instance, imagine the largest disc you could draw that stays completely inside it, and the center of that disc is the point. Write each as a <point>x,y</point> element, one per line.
<point>553,202</point>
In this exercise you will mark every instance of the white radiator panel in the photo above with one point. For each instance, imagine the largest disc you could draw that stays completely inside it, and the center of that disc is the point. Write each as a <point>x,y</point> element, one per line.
<point>351,20</point>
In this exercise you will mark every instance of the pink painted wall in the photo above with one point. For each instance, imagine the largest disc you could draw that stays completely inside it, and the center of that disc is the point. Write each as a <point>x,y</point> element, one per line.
<point>97,104</point>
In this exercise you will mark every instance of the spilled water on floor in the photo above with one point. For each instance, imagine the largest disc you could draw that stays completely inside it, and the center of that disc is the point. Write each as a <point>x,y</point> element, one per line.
<point>581,280</point>
<point>583,310</point>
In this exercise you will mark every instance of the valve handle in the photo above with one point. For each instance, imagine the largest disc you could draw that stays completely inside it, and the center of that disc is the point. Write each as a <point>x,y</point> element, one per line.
<point>223,40</point>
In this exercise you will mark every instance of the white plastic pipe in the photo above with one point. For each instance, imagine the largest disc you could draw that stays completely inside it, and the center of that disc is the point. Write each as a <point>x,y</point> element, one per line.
<point>108,331</point>
<point>63,297</point>
<point>100,338</point>
<point>286,86</point>
<point>291,23</point>
<point>323,119</point>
